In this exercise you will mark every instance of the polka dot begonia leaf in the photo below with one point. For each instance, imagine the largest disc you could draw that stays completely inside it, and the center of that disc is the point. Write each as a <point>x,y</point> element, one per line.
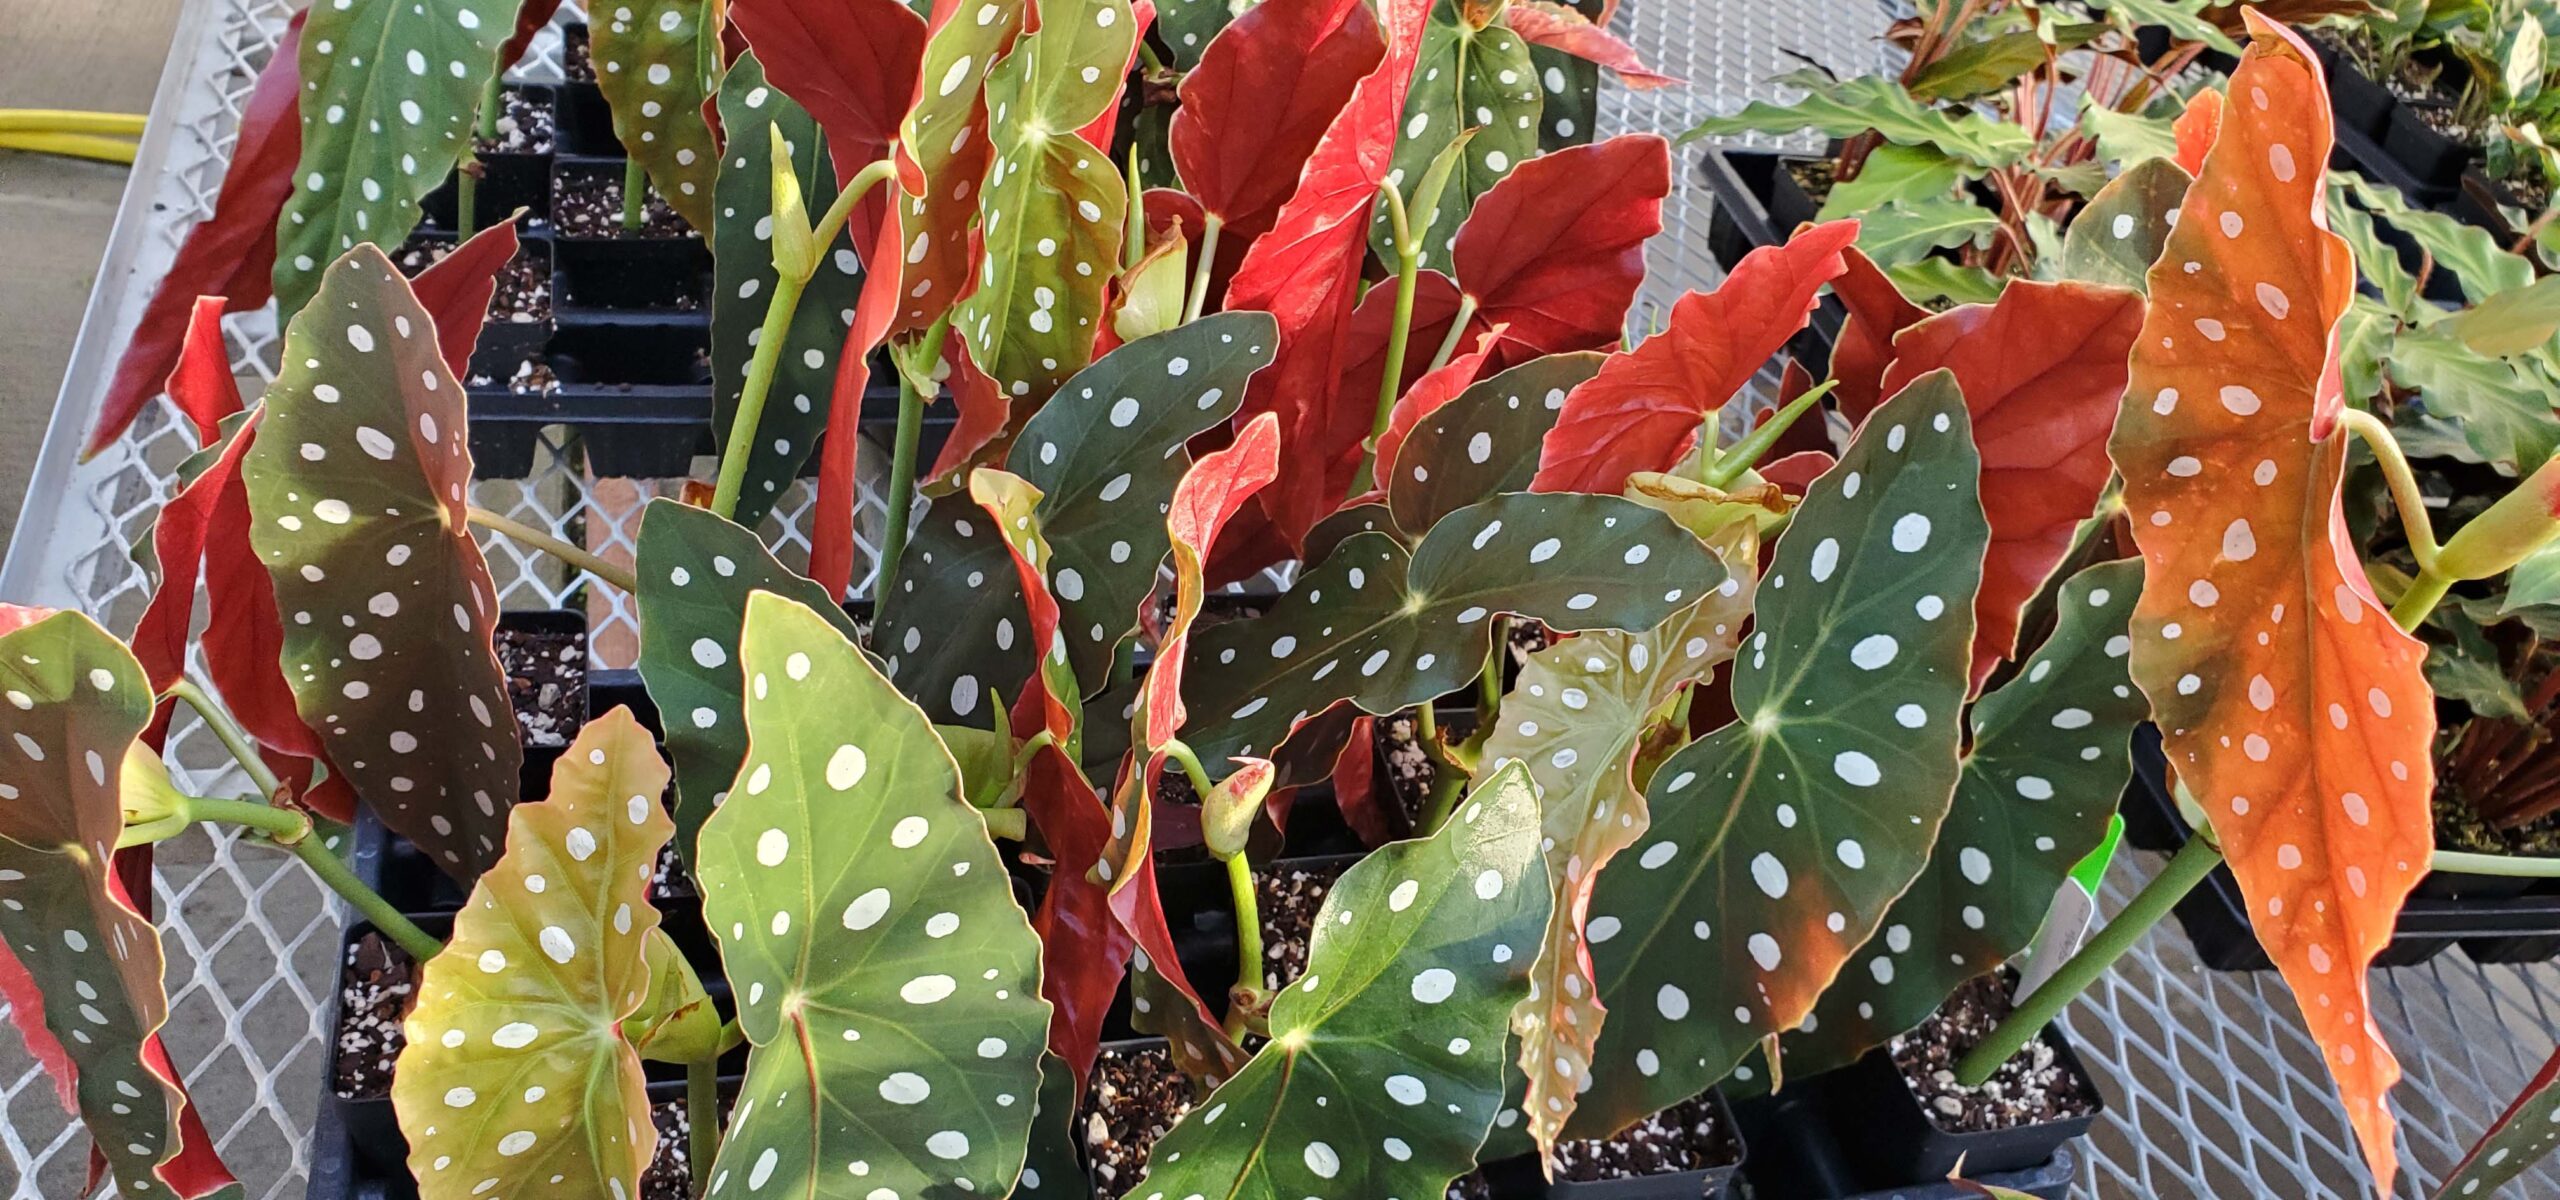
<point>1106,452</point>
<point>1483,442</point>
<point>2118,236</point>
<point>887,982</point>
<point>1215,490</point>
<point>1051,211</point>
<point>2051,752</point>
<point>742,280</point>
<point>1189,26</point>
<point>75,702</point>
<point>1388,629</point>
<point>1582,715</point>
<point>2522,1137</point>
<point>389,94</point>
<point>1469,78</point>
<point>2291,707</point>
<point>658,64</point>
<point>516,1069</point>
<point>943,154</point>
<point>1008,502</point>
<point>1051,1169</point>
<point>358,496</point>
<point>696,572</point>
<point>1569,107</point>
<point>1385,1063</point>
<point>1779,841</point>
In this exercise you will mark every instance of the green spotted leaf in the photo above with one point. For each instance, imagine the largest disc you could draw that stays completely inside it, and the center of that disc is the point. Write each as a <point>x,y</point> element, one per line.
<point>1467,79</point>
<point>943,151</point>
<point>1569,109</point>
<point>2051,753</point>
<point>1052,1169</point>
<point>389,93</point>
<point>1010,505</point>
<point>887,983</point>
<point>2523,1136</point>
<point>1051,212</point>
<point>76,702</point>
<point>742,280</point>
<point>1844,108</point>
<point>516,1067</point>
<point>1582,716</point>
<point>1394,1035</point>
<point>359,486</point>
<point>1780,840</point>
<point>1105,452</point>
<point>658,63</point>
<point>1187,26</point>
<point>2118,236</point>
<point>1484,442</point>
<point>696,572</point>
<point>1387,629</point>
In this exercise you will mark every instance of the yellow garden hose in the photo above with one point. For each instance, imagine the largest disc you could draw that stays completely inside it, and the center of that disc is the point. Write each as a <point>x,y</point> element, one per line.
<point>104,136</point>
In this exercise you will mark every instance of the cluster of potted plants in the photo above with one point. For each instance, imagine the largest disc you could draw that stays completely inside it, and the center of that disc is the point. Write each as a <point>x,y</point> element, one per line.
<point>1610,804</point>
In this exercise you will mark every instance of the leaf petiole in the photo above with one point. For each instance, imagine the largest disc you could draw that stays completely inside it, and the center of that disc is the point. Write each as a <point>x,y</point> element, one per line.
<point>1408,276</point>
<point>1245,998</point>
<point>1209,227</point>
<point>290,828</point>
<point>575,556</point>
<point>1745,454</point>
<point>912,395</point>
<point>2405,495</point>
<point>230,734</point>
<point>635,187</point>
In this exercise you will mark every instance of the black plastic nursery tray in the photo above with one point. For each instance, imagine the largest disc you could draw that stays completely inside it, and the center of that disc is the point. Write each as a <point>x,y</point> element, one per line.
<point>1852,1134</point>
<point>2495,919</point>
<point>1757,203</point>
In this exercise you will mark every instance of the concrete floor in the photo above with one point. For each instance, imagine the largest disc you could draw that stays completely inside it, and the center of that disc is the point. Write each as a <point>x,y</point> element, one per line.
<point>55,213</point>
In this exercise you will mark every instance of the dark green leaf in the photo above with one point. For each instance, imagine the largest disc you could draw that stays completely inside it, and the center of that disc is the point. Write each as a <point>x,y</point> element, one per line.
<point>1932,279</point>
<point>358,485</point>
<point>1467,79</point>
<point>888,985</point>
<point>1569,108</point>
<point>2127,138</point>
<point>2051,752</point>
<point>1780,840</point>
<point>1396,1028</point>
<point>2182,18</point>
<point>2376,260</point>
<point>389,92</point>
<point>2118,236</point>
<point>1105,452</point>
<point>2467,251</point>
<point>2523,1136</point>
<point>76,701</point>
<point>1187,26</point>
<point>1052,1170</point>
<point>2469,669</point>
<point>1844,108</point>
<point>657,62</point>
<point>1482,443</point>
<point>1985,66</point>
<point>515,1068</point>
<point>695,572</point>
<point>1388,630</point>
<point>742,280</point>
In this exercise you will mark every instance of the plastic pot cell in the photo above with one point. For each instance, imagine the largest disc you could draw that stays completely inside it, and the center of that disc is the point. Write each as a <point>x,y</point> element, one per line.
<point>1702,1131</point>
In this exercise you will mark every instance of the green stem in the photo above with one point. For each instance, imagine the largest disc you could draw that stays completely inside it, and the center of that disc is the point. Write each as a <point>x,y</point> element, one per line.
<point>749,415</point>
<point>771,341</point>
<point>635,191</point>
<point>290,828</point>
<point>1181,753</point>
<point>1199,300</point>
<point>232,737</point>
<point>912,395</point>
<point>2424,593</point>
<point>702,1120</point>
<point>2405,496</point>
<point>576,556</point>
<point>1408,275</point>
<point>1745,454</point>
<point>2185,870</point>
<point>2466,863</point>
<point>1457,332</point>
<point>1248,944</point>
<point>1489,682</point>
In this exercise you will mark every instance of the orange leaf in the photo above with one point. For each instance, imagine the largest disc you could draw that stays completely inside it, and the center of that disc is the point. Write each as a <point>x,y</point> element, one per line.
<point>2196,129</point>
<point>2291,706</point>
